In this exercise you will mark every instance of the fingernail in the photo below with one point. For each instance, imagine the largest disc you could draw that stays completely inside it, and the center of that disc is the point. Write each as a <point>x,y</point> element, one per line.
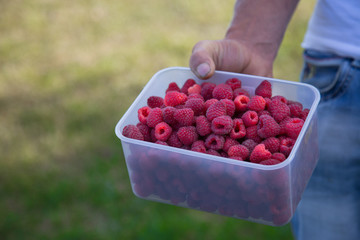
<point>203,69</point>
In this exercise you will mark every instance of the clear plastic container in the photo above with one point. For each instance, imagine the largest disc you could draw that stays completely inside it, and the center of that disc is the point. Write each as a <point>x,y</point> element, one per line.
<point>267,194</point>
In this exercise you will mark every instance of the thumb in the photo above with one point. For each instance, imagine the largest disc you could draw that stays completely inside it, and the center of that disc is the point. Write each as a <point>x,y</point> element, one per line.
<point>201,60</point>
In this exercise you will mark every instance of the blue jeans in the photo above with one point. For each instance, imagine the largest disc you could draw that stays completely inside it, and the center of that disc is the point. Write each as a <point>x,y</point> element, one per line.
<point>330,206</point>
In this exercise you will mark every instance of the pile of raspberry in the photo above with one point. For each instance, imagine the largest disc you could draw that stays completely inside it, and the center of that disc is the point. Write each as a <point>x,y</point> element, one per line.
<point>223,120</point>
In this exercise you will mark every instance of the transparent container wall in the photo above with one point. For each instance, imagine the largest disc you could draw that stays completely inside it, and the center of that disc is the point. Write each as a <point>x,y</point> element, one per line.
<point>254,192</point>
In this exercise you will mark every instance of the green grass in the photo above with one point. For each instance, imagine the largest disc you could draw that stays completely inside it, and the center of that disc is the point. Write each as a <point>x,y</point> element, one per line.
<point>68,72</point>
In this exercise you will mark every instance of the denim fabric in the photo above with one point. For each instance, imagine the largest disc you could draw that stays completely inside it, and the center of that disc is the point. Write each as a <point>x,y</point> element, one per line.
<point>330,206</point>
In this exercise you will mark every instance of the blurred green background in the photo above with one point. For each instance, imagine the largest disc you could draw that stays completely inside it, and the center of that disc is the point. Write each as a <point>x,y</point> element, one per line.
<point>68,72</point>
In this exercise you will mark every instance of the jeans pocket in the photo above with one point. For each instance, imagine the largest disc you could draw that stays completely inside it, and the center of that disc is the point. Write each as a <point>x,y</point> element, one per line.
<point>327,72</point>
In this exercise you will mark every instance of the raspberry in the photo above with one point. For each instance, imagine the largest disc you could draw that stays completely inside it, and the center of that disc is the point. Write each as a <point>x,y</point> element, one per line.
<point>251,133</point>
<point>222,125</point>
<point>295,109</point>
<point>256,103</point>
<point>188,83</point>
<point>209,102</point>
<point>196,104</point>
<point>155,101</point>
<point>187,135</point>
<point>241,91</point>
<point>279,98</point>
<point>238,131</point>
<point>215,110</point>
<point>154,117</point>
<point>230,106</point>
<point>196,96</point>
<point>267,127</point>
<point>206,90</point>
<point>286,146</point>
<point>279,110</point>
<point>198,146</point>
<point>234,83</point>
<point>264,89</point>
<point>263,112</point>
<point>222,91</point>
<point>250,118</point>
<point>229,142</point>
<point>168,115</point>
<point>250,144</point>
<point>270,162</point>
<point>304,114</point>
<point>259,154</point>
<point>241,102</point>
<point>214,141</point>
<point>145,131</point>
<point>272,144</point>
<point>173,87</point>
<point>162,131</point>
<point>173,98</point>
<point>132,131</point>
<point>282,125</point>
<point>143,114</point>
<point>185,116</point>
<point>174,140</point>
<point>293,127</point>
<point>278,156</point>
<point>196,88</point>
<point>203,126</point>
<point>213,152</point>
<point>239,151</point>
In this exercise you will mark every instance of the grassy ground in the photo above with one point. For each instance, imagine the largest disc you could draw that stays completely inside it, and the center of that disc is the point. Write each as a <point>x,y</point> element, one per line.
<point>68,71</point>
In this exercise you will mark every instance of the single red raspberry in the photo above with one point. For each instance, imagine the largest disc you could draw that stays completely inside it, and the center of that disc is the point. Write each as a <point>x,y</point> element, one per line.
<point>304,114</point>
<point>256,103</point>
<point>286,145</point>
<point>295,109</point>
<point>214,141</point>
<point>196,96</point>
<point>222,91</point>
<point>155,101</point>
<point>239,130</point>
<point>209,102</point>
<point>174,141</point>
<point>143,114</point>
<point>270,162</point>
<point>168,115</point>
<point>272,144</point>
<point>203,125</point>
<point>229,142</point>
<point>250,118</point>
<point>187,135</point>
<point>198,146</point>
<point>293,127</point>
<point>196,88</point>
<point>197,105</point>
<point>264,89</point>
<point>239,151</point>
<point>132,131</point>
<point>259,154</point>
<point>241,102</point>
<point>279,110</point>
<point>278,156</point>
<point>230,106</point>
<point>154,117</point>
<point>206,90</point>
<point>279,98</point>
<point>184,116</point>
<point>173,87</point>
<point>250,144</point>
<point>267,127</point>
<point>173,98</point>
<point>162,131</point>
<point>222,125</point>
<point>282,125</point>
<point>188,83</point>
<point>251,133</point>
<point>241,91</point>
<point>215,110</point>
<point>234,83</point>
<point>213,152</point>
<point>145,131</point>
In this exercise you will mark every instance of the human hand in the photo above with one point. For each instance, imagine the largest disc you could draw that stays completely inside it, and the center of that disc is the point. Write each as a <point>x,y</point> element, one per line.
<point>228,55</point>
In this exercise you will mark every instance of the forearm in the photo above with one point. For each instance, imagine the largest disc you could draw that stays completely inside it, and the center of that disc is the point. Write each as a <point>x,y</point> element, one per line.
<point>261,24</point>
